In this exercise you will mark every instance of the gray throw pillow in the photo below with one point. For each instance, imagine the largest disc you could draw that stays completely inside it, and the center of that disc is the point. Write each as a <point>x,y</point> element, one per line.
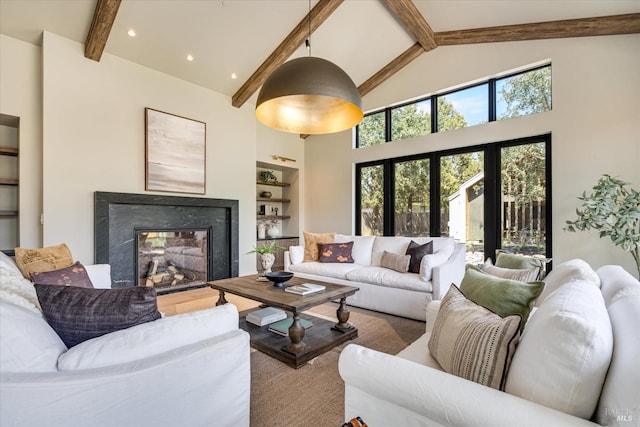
<point>78,314</point>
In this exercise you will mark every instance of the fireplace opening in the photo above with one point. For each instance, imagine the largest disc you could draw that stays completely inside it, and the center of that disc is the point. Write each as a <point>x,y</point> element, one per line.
<point>170,260</point>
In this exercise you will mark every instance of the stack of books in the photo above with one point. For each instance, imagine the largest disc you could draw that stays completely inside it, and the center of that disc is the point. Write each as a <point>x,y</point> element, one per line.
<point>266,316</point>
<point>282,327</point>
<point>305,289</point>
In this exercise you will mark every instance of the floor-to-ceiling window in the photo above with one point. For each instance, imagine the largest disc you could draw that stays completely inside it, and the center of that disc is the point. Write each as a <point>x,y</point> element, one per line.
<point>492,196</point>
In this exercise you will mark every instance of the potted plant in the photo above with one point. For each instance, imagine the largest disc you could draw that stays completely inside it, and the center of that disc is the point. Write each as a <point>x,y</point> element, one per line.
<point>268,176</point>
<point>613,209</point>
<point>266,254</point>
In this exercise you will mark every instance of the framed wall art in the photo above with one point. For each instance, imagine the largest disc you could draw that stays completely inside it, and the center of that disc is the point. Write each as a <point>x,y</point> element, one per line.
<point>175,153</point>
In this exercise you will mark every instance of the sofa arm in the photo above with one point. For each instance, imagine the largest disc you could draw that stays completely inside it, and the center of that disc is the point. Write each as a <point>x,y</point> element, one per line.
<point>205,383</point>
<point>450,272</point>
<point>100,275</point>
<point>388,390</point>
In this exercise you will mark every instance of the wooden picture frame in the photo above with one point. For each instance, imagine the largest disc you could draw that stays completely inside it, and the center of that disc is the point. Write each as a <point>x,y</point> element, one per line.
<point>175,153</point>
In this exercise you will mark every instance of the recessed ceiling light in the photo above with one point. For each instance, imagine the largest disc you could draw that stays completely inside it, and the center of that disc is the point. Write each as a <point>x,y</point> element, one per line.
<point>189,57</point>
<point>131,33</point>
<point>234,76</point>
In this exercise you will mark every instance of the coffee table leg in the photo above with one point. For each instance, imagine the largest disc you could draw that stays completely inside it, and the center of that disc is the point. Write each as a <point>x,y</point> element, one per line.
<point>343,316</point>
<point>296,333</point>
<point>221,299</point>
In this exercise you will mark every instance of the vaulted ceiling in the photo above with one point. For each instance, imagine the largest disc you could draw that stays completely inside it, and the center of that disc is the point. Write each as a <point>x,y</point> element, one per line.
<point>369,39</point>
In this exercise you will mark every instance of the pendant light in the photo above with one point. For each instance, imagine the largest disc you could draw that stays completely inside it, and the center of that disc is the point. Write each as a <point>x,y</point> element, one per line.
<point>309,95</point>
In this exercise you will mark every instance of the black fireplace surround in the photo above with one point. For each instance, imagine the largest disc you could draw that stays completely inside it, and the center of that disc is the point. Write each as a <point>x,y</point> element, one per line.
<point>118,215</point>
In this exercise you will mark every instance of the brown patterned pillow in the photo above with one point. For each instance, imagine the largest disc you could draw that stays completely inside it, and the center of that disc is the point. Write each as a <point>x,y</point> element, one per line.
<point>395,262</point>
<point>311,241</point>
<point>335,252</point>
<point>74,275</point>
<point>417,252</point>
<point>472,342</point>
<point>43,259</point>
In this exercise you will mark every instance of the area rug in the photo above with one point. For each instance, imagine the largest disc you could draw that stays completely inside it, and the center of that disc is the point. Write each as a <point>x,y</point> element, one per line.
<point>314,394</point>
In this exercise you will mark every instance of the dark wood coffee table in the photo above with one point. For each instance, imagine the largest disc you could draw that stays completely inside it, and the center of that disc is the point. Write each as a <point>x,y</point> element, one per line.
<point>301,345</point>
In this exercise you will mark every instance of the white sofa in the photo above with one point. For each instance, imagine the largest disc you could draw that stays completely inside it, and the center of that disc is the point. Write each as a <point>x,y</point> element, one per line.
<point>410,389</point>
<point>190,369</point>
<point>383,289</point>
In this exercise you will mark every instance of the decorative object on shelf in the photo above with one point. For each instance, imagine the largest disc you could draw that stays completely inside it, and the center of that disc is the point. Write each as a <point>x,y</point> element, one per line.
<point>262,231</point>
<point>613,209</point>
<point>263,210</point>
<point>175,153</point>
<point>266,194</point>
<point>278,277</point>
<point>268,176</point>
<point>266,254</point>
<point>309,95</point>
<point>273,230</point>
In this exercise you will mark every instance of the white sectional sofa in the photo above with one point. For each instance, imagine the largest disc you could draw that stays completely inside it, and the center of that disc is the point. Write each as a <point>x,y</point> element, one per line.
<point>576,365</point>
<point>189,369</point>
<point>382,289</point>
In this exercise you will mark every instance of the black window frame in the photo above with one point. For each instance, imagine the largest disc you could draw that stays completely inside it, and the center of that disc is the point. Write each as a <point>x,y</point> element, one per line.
<point>492,190</point>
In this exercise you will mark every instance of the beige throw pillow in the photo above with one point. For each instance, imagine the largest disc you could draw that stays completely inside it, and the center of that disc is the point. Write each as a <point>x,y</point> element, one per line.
<point>472,342</point>
<point>395,262</point>
<point>43,259</point>
<point>311,240</point>
<point>521,274</point>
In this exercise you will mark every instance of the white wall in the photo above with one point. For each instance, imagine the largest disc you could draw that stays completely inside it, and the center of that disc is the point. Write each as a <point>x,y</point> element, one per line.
<point>94,140</point>
<point>595,124</point>
<point>21,92</point>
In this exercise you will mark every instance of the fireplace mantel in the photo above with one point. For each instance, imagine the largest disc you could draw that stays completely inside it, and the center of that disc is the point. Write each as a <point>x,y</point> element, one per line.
<point>117,215</point>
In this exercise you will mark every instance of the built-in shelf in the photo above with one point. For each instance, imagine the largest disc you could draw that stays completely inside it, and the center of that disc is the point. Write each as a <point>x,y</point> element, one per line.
<point>273,216</point>
<point>8,151</point>
<point>8,213</point>
<point>8,181</point>
<point>274,184</point>
<point>271,199</point>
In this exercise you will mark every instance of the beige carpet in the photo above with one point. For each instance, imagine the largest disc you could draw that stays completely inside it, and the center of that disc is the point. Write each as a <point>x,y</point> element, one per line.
<point>313,395</point>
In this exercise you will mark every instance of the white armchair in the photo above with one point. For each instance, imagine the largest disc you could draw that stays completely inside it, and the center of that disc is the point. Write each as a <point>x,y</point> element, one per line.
<point>189,369</point>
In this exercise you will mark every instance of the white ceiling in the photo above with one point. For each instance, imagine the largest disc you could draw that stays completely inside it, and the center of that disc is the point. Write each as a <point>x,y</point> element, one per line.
<point>236,36</point>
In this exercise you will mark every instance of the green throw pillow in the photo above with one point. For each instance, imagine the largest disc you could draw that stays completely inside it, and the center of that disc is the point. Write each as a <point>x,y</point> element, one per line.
<point>502,296</point>
<point>507,260</point>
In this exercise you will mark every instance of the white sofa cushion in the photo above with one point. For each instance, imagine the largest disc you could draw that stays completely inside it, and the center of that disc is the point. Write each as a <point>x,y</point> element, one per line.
<point>430,261</point>
<point>362,247</point>
<point>8,263</point>
<point>14,288</point>
<point>619,399</point>
<point>389,278</point>
<point>565,350</point>
<point>150,338</point>
<point>27,342</point>
<point>296,254</point>
<point>335,270</point>
<point>568,271</point>
<point>393,244</point>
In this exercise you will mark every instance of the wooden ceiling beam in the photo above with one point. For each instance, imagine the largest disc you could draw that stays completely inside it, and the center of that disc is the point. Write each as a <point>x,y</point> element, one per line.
<point>320,12</point>
<point>414,22</point>
<point>391,68</point>
<point>103,18</point>
<point>584,27</point>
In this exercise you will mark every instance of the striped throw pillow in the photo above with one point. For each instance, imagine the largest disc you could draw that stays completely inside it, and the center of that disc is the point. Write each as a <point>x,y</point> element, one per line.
<point>472,342</point>
<point>395,262</point>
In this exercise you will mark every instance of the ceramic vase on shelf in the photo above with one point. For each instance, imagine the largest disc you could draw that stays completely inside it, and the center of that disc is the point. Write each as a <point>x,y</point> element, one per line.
<point>267,261</point>
<point>273,231</point>
<point>262,231</point>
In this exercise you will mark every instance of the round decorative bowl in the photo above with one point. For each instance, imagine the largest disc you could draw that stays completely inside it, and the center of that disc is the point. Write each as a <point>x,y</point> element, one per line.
<point>266,194</point>
<point>278,277</point>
